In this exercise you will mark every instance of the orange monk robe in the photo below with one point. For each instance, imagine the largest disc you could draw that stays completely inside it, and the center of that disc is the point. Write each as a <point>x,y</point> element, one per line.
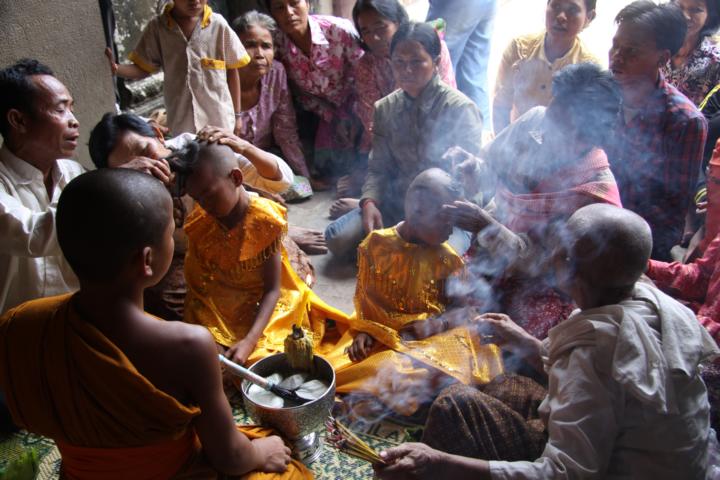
<point>223,271</point>
<point>65,380</point>
<point>398,283</point>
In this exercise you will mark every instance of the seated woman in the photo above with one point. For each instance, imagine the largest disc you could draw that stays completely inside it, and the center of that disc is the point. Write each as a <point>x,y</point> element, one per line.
<point>547,164</point>
<point>413,128</point>
<point>268,115</point>
<point>401,348</point>
<point>695,69</point>
<point>527,65</point>
<point>319,54</point>
<point>377,21</point>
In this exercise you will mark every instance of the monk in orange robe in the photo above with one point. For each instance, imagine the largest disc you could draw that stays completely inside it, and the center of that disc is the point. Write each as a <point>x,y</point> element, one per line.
<point>240,283</point>
<point>123,394</point>
<point>402,345</point>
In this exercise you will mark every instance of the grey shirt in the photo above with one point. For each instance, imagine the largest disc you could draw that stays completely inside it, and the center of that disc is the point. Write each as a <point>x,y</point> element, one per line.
<point>412,134</point>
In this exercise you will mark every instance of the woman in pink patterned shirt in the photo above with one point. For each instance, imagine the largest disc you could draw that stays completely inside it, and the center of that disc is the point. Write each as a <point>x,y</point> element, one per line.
<point>319,54</point>
<point>268,115</point>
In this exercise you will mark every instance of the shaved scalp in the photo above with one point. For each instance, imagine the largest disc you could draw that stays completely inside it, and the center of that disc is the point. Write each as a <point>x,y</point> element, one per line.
<point>435,180</point>
<point>611,246</point>
<point>220,158</point>
<point>107,216</point>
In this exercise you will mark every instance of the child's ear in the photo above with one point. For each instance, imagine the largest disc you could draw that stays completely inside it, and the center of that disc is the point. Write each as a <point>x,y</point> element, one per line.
<point>147,262</point>
<point>16,119</point>
<point>236,176</point>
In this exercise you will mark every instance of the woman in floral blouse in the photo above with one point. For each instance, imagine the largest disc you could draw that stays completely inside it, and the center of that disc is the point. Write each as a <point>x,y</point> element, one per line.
<point>695,69</point>
<point>319,54</point>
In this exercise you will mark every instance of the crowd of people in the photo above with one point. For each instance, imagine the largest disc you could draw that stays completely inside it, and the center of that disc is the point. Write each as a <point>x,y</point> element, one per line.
<point>538,269</point>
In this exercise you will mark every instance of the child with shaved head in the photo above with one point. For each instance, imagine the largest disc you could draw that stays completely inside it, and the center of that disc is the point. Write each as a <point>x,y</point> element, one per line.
<point>123,394</point>
<point>240,284</point>
<point>625,398</point>
<point>400,343</point>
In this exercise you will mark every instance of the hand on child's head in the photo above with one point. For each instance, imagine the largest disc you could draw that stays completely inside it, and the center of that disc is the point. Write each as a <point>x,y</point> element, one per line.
<point>159,169</point>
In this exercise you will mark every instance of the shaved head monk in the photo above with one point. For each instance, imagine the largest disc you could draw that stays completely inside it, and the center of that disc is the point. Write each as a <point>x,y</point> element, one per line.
<point>625,398</point>
<point>122,393</point>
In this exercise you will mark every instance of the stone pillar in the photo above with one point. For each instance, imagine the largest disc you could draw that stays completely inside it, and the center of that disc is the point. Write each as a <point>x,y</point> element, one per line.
<point>67,36</point>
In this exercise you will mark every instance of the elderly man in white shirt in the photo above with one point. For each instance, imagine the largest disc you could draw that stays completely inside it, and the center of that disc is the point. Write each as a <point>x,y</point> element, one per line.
<point>625,398</point>
<point>39,133</point>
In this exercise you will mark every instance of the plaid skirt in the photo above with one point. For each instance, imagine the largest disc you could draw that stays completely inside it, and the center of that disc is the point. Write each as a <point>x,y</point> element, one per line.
<point>497,422</point>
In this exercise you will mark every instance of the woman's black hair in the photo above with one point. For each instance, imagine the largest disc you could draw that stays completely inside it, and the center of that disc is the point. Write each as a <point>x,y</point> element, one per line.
<point>666,21</point>
<point>422,33</point>
<point>109,129</point>
<point>389,9</point>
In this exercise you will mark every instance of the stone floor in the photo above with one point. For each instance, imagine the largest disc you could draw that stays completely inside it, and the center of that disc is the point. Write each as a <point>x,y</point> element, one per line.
<point>335,278</point>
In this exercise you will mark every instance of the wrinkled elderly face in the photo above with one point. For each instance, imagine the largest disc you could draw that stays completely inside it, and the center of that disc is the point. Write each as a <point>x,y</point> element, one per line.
<point>259,45</point>
<point>51,126</point>
<point>290,15</point>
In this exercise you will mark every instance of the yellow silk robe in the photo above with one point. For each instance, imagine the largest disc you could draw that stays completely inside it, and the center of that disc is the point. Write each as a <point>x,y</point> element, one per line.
<point>398,283</point>
<point>65,380</point>
<point>223,272</point>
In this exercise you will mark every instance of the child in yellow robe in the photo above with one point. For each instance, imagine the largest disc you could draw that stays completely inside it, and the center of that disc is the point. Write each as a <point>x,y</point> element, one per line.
<point>240,283</point>
<point>401,347</point>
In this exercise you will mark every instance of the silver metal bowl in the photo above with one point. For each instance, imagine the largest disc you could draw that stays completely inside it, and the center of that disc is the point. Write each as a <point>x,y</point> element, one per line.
<point>300,425</point>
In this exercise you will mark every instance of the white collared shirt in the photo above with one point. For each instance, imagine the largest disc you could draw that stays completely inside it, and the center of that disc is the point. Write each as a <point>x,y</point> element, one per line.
<point>31,263</point>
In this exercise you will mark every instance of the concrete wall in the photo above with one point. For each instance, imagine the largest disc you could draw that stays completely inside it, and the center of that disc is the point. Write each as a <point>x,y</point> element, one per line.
<point>66,35</point>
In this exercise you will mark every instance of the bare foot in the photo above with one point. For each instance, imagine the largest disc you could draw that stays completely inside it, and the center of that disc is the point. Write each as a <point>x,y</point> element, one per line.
<point>344,187</point>
<point>350,185</point>
<point>342,206</point>
<point>309,241</point>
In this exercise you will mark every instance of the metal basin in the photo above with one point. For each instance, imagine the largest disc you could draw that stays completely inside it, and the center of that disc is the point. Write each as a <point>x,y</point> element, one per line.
<point>300,425</point>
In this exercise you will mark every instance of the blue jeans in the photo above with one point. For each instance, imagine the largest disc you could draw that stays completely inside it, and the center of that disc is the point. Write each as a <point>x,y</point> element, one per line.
<point>345,234</point>
<point>469,29</point>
